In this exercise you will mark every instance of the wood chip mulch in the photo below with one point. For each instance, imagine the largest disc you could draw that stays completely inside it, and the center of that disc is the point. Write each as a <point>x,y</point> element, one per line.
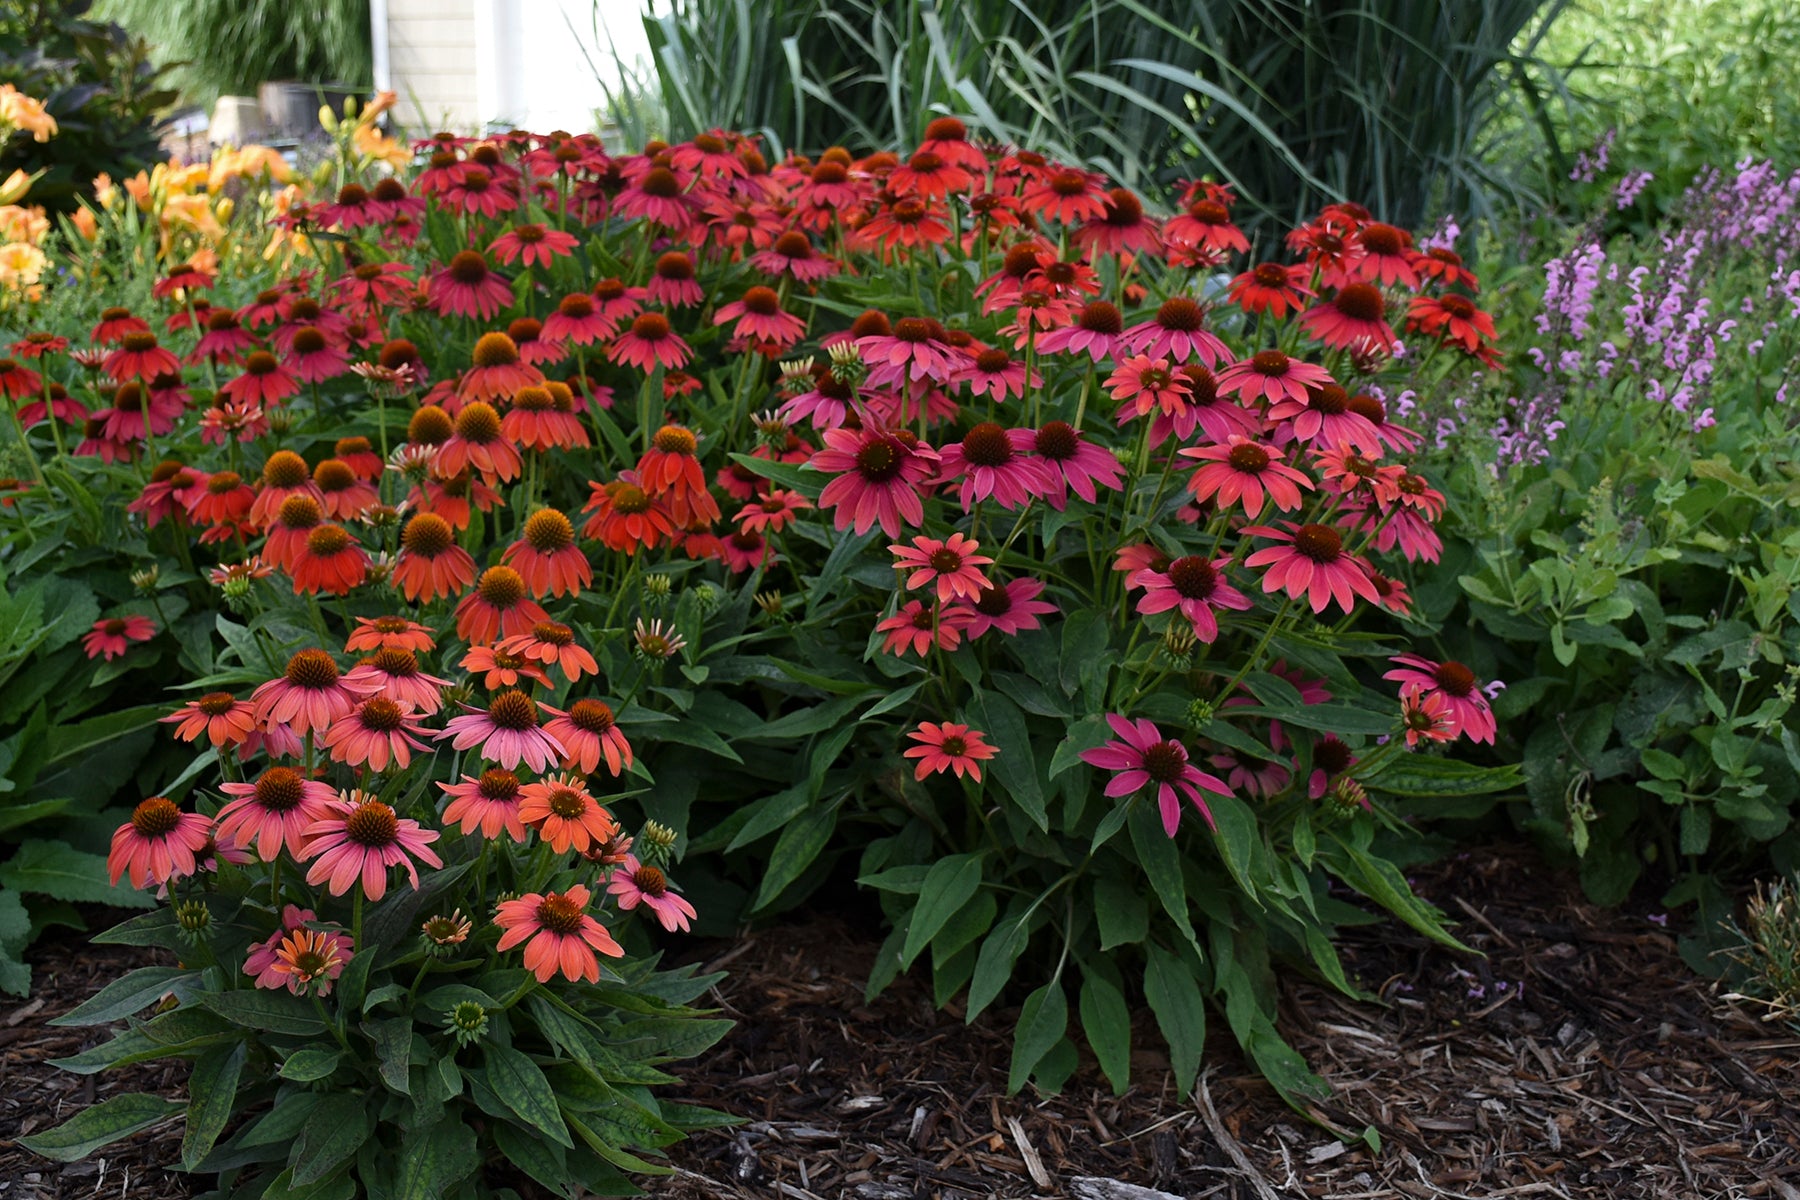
<point>1580,1059</point>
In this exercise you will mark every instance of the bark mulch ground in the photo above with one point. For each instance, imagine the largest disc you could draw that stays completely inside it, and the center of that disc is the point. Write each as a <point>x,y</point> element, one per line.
<point>1579,1059</point>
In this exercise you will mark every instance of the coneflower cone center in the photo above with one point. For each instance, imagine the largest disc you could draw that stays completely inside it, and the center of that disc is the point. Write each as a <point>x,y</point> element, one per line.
<point>591,716</point>
<point>1458,306</point>
<point>313,669</point>
<point>650,881</point>
<point>1165,761</point>
<point>1193,577</point>
<point>878,460</point>
<point>1320,543</point>
<point>1209,212</point>
<point>501,587</point>
<point>429,426</point>
<point>1454,678</point>
<point>661,183</point>
<point>675,265</point>
<point>987,445</point>
<point>1271,275</point>
<point>138,343</point>
<point>1057,441</point>
<point>334,475</point>
<point>945,561</point>
<point>793,244</point>
<point>498,784</point>
<point>468,267</point>
<point>1270,362</point>
<point>529,234</point>
<point>553,634</point>
<point>549,531</point>
<point>1361,302</point>
<point>327,540</point>
<point>1179,314</point>
<point>308,340</point>
<point>427,535</point>
<point>495,350</point>
<point>1248,458</point>
<point>1383,240</point>
<point>381,715</point>
<point>762,301</point>
<point>156,817</point>
<point>651,327</point>
<point>567,804</point>
<point>954,746</point>
<point>372,824</point>
<point>513,711</point>
<point>1331,756</point>
<point>1368,408</point>
<point>629,498</point>
<point>1329,399</point>
<point>673,439</point>
<point>478,423</point>
<point>395,661</point>
<point>216,704</point>
<point>559,915</point>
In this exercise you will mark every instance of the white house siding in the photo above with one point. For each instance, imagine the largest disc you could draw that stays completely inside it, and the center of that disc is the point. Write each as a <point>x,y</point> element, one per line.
<point>432,60</point>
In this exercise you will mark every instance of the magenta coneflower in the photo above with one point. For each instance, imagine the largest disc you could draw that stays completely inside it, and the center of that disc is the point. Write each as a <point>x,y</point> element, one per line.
<point>1011,608</point>
<point>1141,757</point>
<point>760,319</point>
<point>1196,588</point>
<point>467,288</point>
<point>1323,417</point>
<point>951,562</point>
<point>916,627</point>
<point>1311,565</point>
<point>158,843</point>
<point>878,478</point>
<point>313,359</point>
<point>308,696</point>
<point>264,381</point>
<point>1271,375</point>
<point>1078,464</point>
<point>1246,471</point>
<point>1122,227</point>
<point>996,373</point>
<point>994,462</point>
<point>915,350</point>
<point>1175,333</point>
<point>273,812</point>
<point>1253,776</point>
<point>1356,317</point>
<point>650,342</point>
<point>558,934</point>
<point>507,733</point>
<point>589,733</point>
<point>949,746</point>
<point>531,244</point>
<point>1098,332</point>
<point>358,839</point>
<point>1455,685</point>
<point>634,883</point>
<point>672,283</point>
<point>562,813</point>
<point>490,804</point>
<point>659,196</point>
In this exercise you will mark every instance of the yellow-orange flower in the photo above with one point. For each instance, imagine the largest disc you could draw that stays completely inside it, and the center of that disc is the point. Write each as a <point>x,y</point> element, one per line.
<point>23,224</point>
<point>21,263</point>
<point>20,111</point>
<point>16,185</point>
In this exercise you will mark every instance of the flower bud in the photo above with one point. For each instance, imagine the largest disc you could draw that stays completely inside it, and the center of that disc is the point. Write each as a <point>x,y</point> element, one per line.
<point>469,1022</point>
<point>144,579</point>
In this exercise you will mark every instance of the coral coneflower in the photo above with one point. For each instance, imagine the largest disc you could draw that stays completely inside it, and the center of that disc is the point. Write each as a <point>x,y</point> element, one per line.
<point>1312,565</point>
<point>390,633</point>
<point>308,961</point>
<point>562,812</point>
<point>1011,608</point>
<point>1143,385</point>
<point>547,558</point>
<point>1193,586</point>
<point>272,812</point>
<point>329,560</point>
<point>910,222</point>
<point>535,422</point>
<point>157,844</point>
<point>995,462</point>
<point>467,288</point>
<point>340,492</point>
<point>113,636</point>
<point>377,731</point>
<point>1066,195</point>
<point>578,319</point>
<point>490,804</point>
<point>553,644</point>
<point>672,474</point>
<point>498,607</point>
<point>659,196</point>
<point>221,717</point>
<point>1323,417</point>
<point>952,563</point>
<point>1271,375</point>
<point>634,883</point>
<point>1175,333</point>
<point>948,746</point>
<point>774,511</point>
<point>479,443</point>
<point>650,342</point>
<point>1141,758</point>
<point>558,934</point>
<point>309,695</point>
<point>500,669</point>
<point>1453,318</point>
<point>496,374</point>
<point>879,475</point>
<point>431,564</point>
<point>590,732</point>
<point>359,839</point>
<point>917,627</point>
<point>672,283</point>
<point>507,733</point>
<point>140,357</point>
<point>1355,317</point>
<point>1122,227</point>
<point>264,381</point>
<point>1076,463</point>
<point>760,319</point>
<point>792,254</point>
<point>1455,685</point>
<point>394,672</point>
<point>1207,226</point>
<point>1247,472</point>
<point>532,244</point>
<point>371,287</point>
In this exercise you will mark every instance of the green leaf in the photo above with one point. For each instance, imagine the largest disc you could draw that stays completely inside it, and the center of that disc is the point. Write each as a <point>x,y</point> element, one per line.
<point>1089,733</point>
<point>795,850</point>
<point>1042,1023</point>
<point>393,1050</point>
<point>1161,863</point>
<point>1015,766</point>
<point>272,1012</point>
<point>1107,1023</point>
<point>1237,840</point>
<point>543,1161</point>
<point>999,951</point>
<point>334,1131</point>
<point>1120,910</point>
<point>793,476</point>
<point>948,886</point>
<point>212,1094</point>
<point>431,1162</point>
<point>124,996</point>
<point>100,1125</point>
<point>520,1084</point>
<point>310,1064</point>
<point>1174,997</point>
<point>62,872</point>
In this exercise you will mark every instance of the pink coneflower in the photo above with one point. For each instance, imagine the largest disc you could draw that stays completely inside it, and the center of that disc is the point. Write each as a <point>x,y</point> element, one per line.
<point>739,550</point>
<point>562,812</point>
<point>1011,608</point>
<point>1194,587</point>
<point>274,811</point>
<point>659,196</point>
<point>1354,473</point>
<point>792,254</point>
<point>431,564</point>
<point>993,462</point>
<point>952,563</point>
<point>140,357</point>
<point>1141,757</point>
<point>394,672</point>
<point>377,731</point>
<point>157,844</point>
<point>915,350</point>
<point>917,628</point>
<point>589,732</point>
<point>1079,464</point>
<point>878,478</point>
<point>370,287</point>
<point>1323,416</point>
<point>1330,758</point>
<point>1311,565</point>
<point>1143,384</point>
<point>774,511</point>
<point>1271,375</point>
<point>1455,685</point>
<point>467,288</point>
<point>760,319</point>
<point>948,746</point>
<point>1355,317</point>
<point>390,633</point>
<point>308,696</point>
<point>1273,288</point>
<point>222,717</point>
<point>1175,333</point>
<point>547,558</point>
<point>532,244</point>
<point>1122,227</point>
<point>308,961</point>
<point>264,381</point>
<point>113,636</point>
<point>490,804</point>
<point>634,883</point>
<point>1426,717</point>
<point>1252,776</point>
<point>996,373</point>
<point>1245,471</point>
<point>495,373</point>
<point>650,342</point>
<point>312,358</point>
<point>617,302</point>
<point>1066,195</point>
<point>360,838</point>
<point>558,934</point>
<point>507,733</point>
<point>1098,332</point>
<point>553,644</point>
<point>672,283</point>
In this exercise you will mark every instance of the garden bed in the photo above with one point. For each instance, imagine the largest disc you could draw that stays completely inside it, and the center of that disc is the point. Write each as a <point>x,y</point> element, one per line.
<point>1611,1071</point>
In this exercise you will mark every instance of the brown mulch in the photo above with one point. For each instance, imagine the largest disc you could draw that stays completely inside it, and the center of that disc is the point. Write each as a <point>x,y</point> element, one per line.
<point>1580,1059</point>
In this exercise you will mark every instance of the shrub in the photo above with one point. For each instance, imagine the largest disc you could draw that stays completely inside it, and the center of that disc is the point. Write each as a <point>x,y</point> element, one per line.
<point>1100,702</point>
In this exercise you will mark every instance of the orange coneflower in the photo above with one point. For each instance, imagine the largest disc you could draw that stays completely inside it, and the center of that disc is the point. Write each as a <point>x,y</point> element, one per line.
<point>431,564</point>
<point>498,607</point>
<point>497,372</point>
<point>565,815</point>
<point>330,560</point>
<point>535,422</point>
<point>625,515</point>
<point>547,558</point>
<point>342,494</point>
<point>558,934</point>
<point>553,644</point>
<point>478,442</point>
<point>490,804</point>
<point>590,732</point>
<point>672,473</point>
<point>158,843</point>
<point>220,716</point>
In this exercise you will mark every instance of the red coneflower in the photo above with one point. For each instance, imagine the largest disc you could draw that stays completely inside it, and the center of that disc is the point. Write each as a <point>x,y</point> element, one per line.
<point>879,475</point>
<point>1122,227</point>
<point>618,302</point>
<point>1324,417</point>
<point>467,288</point>
<point>113,636</point>
<point>760,319</point>
<point>1445,266</point>
<point>994,462</point>
<point>1206,226</point>
<point>225,500</point>
<point>507,733</point>
<point>1453,318</point>
<point>359,839</point>
<point>312,358</point>
<point>140,357</point>
<point>625,516</point>
<point>1066,195</point>
<point>38,343</point>
<point>330,560</point>
<point>949,746</point>
<point>490,804</point>
<point>1312,565</point>
<point>393,671</point>
<point>672,474</point>
<point>1356,316</point>
<point>773,512</point>
<point>1387,256</point>
<point>563,814</point>
<point>1141,757</point>
<point>431,564</point>
<point>342,494</point>
<point>930,175</point>
<point>909,222</point>
<point>558,934</point>
<point>158,843</point>
<point>351,209</point>
<point>376,732</point>
<point>498,607</point>
<point>168,494</point>
<point>264,381</point>
<point>792,254</point>
<point>115,324</point>
<point>1452,683</point>
<point>479,443</point>
<point>1193,586</point>
<point>1175,333</point>
<point>496,373</point>
<point>1273,288</point>
<point>578,319</point>
<point>17,382</point>
<point>547,558</point>
<point>672,283</point>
